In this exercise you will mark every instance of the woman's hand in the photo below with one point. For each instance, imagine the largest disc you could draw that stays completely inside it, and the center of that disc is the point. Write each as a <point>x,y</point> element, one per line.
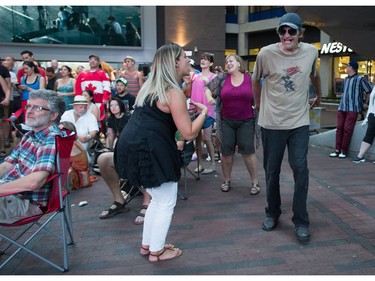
<point>211,101</point>
<point>201,107</point>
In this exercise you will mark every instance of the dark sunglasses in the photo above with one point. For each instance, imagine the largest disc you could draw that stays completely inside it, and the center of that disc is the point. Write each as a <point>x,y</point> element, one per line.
<point>282,31</point>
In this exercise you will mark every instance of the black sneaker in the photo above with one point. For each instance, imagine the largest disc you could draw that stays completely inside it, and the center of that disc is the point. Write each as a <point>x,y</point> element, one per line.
<point>358,160</point>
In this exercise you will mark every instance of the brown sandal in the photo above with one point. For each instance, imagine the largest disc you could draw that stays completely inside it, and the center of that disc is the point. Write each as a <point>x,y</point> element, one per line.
<point>167,248</point>
<point>144,251</point>
<point>255,189</point>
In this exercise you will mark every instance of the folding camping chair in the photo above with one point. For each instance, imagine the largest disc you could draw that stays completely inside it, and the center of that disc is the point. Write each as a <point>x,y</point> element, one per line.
<point>97,147</point>
<point>186,154</point>
<point>12,119</point>
<point>58,206</point>
<point>132,191</point>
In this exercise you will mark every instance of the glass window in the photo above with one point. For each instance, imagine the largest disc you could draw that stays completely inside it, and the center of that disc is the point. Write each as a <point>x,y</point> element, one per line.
<point>77,25</point>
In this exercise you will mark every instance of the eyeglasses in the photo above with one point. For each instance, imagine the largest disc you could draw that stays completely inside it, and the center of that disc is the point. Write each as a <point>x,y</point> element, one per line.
<point>36,108</point>
<point>282,31</point>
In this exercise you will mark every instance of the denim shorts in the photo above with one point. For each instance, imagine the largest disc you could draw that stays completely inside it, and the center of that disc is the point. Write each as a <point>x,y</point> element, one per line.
<point>240,133</point>
<point>209,122</point>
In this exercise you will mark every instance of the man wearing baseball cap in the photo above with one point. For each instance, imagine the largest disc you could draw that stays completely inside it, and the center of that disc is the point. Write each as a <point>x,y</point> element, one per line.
<point>285,68</point>
<point>351,104</point>
<point>121,93</point>
<point>95,80</point>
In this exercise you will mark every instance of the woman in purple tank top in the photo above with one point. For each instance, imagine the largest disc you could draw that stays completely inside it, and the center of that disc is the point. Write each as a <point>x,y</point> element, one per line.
<point>235,119</point>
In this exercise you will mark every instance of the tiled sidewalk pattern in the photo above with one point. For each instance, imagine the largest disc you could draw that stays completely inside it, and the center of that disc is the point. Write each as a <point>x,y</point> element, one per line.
<point>220,233</point>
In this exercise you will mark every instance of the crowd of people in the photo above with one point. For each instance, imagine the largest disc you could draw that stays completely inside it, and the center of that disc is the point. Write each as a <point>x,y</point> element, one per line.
<point>142,116</point>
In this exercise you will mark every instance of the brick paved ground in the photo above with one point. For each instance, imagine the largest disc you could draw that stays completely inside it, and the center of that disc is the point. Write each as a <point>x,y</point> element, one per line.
<point>220,233</point>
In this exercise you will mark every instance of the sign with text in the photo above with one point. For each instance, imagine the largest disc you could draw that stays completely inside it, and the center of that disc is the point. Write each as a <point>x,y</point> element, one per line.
<point>334,48</point>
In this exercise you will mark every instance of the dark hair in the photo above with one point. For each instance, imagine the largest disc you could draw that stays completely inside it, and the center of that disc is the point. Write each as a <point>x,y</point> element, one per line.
<point>32,65</point>
<point>111,18</point>
<point>50,69</point>
<point>69,70</point>
<point>91,94</point>
<point>210,57</point>
<point>119,102</point>
<point>27,52</point>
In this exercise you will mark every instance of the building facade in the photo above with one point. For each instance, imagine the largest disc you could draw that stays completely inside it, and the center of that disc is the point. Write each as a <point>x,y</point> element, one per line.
<point>220,30</point>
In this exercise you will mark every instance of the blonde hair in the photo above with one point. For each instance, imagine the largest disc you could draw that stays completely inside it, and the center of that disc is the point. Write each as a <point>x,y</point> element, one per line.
<point>163,76</point>
<point>242,68</point>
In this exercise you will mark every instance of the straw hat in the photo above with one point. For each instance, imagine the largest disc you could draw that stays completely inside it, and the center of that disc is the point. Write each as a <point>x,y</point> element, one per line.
<point>80,100</point>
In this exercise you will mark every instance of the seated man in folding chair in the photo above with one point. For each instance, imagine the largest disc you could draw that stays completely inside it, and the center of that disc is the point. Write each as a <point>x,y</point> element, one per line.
<point>27,168</point>
<point>84,121</point>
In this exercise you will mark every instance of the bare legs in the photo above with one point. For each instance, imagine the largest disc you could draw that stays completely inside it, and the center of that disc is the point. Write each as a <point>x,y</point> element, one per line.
<point>210,146</point>
<point>226,166</point>
<point>364,147</point>
<point>250,163</point>
<point>251,166</point>
<point>109,174</point>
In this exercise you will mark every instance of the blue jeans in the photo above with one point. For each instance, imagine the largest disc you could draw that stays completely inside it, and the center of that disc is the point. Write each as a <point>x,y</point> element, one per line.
<point>274,144</point>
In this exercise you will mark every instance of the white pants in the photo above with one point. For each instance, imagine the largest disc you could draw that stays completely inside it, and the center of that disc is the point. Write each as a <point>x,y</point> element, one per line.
<point>159,215</point>
<point>13,208</point>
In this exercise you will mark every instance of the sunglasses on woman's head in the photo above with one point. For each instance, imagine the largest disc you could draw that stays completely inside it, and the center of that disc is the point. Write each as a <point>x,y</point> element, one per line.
<point>291,31</point>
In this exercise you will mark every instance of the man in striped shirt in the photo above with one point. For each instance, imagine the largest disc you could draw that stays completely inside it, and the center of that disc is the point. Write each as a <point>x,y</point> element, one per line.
<point>350,106</point>
<point>25,171</point>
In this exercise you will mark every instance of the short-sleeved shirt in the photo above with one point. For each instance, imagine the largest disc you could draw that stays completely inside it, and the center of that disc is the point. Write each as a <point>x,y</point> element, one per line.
<point>129,98</point>
<point>117,124</point>
<point>35,152</point>
<point>284,95</point>
<point>84,124</point>
<point>352,96</point>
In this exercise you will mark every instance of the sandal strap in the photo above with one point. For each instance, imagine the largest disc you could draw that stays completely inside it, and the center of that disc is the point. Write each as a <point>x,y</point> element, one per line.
<point>113,211</point>
<point>255,189</point>
<point>144,248</point>
<point>158,254</point>
<point>117,204</point>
